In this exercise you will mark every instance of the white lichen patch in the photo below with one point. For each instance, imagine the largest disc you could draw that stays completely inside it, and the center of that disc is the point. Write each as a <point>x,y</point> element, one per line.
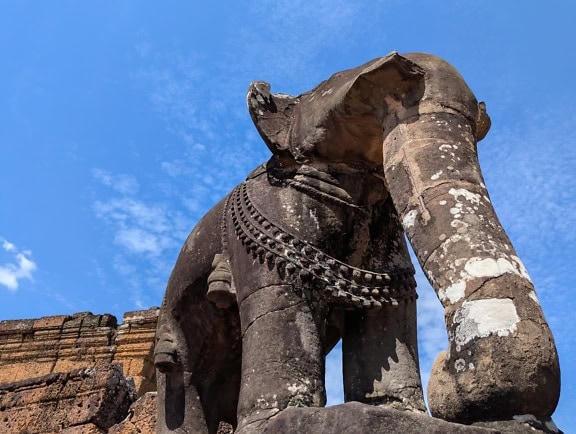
<point>467,195</point>
<point>526,418</point>
<point>460,226</point>
<point>442,202</point>
<point>483,318</point>
<point>460,365</point>
<point>534,297</point>
<point>297,388</point>
<point>264,404</point>
<point>475,268</point>
<point>491,267</point>
<point>314,217</point>
<point>300,395</point>
<point>409,219</point>
<point>488,267</point>
<point>453,293</point>
<point>436,175</point>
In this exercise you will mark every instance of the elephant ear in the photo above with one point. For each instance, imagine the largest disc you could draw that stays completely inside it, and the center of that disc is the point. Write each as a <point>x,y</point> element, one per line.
<point>340,119</point>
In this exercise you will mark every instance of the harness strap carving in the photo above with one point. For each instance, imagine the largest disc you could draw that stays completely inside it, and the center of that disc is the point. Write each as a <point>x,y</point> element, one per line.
<point>342,283</point>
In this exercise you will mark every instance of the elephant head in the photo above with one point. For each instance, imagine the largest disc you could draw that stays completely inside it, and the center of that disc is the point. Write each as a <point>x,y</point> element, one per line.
<point>413,119</point>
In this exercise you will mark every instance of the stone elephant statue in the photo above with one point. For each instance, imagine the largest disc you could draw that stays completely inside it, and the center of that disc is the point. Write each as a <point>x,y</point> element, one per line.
<point>310,249</point>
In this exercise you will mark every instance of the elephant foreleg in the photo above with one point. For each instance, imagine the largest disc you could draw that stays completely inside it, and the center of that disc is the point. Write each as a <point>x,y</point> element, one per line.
<point>380,357</point>
<point>282,356</point>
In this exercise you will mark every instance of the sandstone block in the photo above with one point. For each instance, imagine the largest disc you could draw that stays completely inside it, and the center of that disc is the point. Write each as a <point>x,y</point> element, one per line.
<point>62,343</point>
<point>95,397</point>
<point>141,417</point>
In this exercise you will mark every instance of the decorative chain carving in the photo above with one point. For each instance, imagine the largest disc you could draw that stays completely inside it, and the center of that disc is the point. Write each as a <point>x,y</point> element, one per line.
<point>342,283</point>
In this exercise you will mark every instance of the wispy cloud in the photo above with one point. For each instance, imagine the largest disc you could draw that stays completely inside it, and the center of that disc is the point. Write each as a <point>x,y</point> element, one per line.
<point>217,145</point>
<point>173,84</point>
<point>19,266</point>
<point>529,170</point>
<point>122,183</point>
<point>286,45</point>
<point>148,233</point>
<point>139,227</point>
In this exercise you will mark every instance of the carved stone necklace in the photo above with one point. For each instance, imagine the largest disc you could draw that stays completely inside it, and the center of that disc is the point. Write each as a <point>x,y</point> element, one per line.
<point>341,283</point>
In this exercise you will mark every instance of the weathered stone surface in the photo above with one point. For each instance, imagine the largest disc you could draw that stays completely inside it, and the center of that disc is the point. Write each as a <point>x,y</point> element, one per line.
<point>311,246</point>
<point>135,347</point>
<point>37,347</point>
<point>357,418</point>
<point>225,428</point>
<point>89,428</point>
<point>91,398</point>
<point>32,348</point>
<point>141,417</point>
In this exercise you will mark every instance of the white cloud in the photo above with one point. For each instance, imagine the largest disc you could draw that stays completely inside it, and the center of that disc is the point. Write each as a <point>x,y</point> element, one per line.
<point>9,247</point>
<point>175,168</point>
<point>529,170</point>
<point>122,183</point>
<point>138,241</point>
<point>175,89</point>
<point>18,267</point>
<point>139,227</point>
<point>296,32</point>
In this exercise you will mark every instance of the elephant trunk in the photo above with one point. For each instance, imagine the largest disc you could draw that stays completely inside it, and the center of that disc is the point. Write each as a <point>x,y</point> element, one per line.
<point>501,360</point>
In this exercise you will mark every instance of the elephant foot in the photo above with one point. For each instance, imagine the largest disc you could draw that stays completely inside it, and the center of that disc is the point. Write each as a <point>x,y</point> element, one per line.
<point>380,359</point>
<point>409,399</point>
<point>502,376</point>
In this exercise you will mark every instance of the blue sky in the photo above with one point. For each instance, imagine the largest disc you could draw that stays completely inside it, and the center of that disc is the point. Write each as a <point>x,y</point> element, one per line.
<point>121,123</point>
